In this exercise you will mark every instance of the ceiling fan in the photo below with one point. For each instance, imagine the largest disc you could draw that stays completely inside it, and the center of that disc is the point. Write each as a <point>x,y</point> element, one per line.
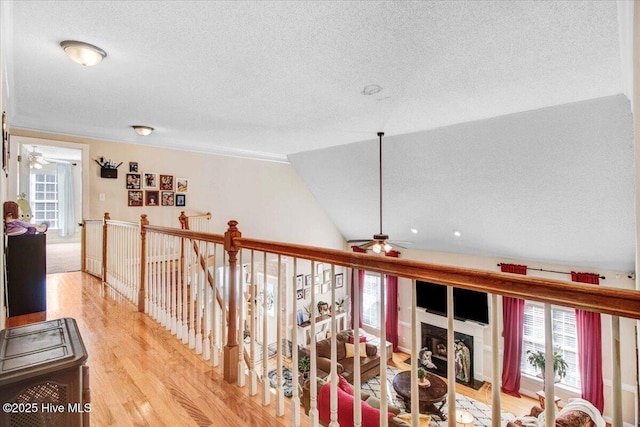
<point>36,160</point>
<point>380,242</point>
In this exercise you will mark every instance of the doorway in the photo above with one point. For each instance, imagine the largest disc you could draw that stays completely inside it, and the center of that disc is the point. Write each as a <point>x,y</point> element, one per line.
<point>50,179</point>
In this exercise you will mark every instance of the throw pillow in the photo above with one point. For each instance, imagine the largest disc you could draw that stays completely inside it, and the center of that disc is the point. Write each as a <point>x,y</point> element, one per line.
<point>370,416</point>
<point>352,339</point>
<point>424,419</point>
<point>344,385</point>
<point>349,348</point>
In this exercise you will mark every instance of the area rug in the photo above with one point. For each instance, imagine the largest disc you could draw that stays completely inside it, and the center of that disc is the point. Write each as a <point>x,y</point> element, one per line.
<point>286,380</point>
<point>480,411</point>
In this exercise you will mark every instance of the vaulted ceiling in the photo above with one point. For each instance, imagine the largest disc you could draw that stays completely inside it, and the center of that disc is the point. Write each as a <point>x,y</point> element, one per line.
<point>506,121</point>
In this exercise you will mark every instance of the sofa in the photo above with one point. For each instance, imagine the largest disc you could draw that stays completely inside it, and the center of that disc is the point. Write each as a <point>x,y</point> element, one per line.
<point>369,406</point>
<point>577,413</point>
<point>369,364</point>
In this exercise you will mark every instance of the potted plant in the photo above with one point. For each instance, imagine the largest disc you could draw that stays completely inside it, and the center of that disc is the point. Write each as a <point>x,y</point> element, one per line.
<point>422,377</point>
<point>304,365</point>
<point>536,359</point>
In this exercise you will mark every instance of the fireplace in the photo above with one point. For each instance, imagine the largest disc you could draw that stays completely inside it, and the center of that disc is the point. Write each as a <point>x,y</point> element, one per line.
<point>433,354</point>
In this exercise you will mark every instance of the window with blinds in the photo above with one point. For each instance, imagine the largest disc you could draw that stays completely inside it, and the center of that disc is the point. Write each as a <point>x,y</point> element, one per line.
<point>371,300</point>
<point>44,198</point>
<point>564,334</point>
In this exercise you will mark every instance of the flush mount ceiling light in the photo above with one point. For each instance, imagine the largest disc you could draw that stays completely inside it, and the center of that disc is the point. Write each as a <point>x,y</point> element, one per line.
<point>83,53</point>
<point>143,130</point>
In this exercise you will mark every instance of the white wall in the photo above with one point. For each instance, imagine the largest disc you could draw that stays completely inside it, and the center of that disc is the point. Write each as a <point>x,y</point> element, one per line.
<point>530,385</point>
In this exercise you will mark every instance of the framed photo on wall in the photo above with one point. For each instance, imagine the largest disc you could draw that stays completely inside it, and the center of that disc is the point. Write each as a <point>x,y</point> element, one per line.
<point>299,280</point>
<point>181,200</point>
<point>151,198</point>
<point>133,181</point>
<point>166,182</point>
<point>134,197</point>
<point>150,180</point>
<point>133,167</point>
<point>339,282</point>
<point>182,185</point>
<point>307,280</point>
<point>167,198</point>
<point>300,294</point>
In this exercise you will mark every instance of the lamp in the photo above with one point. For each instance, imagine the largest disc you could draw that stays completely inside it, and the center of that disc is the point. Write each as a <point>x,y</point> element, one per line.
<point>143,130</point>
<point>381,238</point>
<point>464,419</point>
<point>83,53</point>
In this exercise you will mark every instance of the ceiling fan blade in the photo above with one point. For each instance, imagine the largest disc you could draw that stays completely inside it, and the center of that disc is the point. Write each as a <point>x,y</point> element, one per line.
<point>42,160</point>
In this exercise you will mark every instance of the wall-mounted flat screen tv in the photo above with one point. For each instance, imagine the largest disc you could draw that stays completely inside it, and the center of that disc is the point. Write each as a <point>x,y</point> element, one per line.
<point>467,304</point>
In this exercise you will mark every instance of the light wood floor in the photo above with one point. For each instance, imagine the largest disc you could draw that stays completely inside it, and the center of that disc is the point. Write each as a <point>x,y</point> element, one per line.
<point>141,375</point>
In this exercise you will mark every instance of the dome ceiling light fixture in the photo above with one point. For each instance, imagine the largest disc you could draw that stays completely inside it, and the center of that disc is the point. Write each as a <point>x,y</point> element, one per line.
<point>83,53</point>
<point>143,130</point>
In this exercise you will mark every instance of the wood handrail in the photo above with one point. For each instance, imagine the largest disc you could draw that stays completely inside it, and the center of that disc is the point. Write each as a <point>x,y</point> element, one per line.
<point>122,223</point>
<point>602,299</point>
<point>194,235</point>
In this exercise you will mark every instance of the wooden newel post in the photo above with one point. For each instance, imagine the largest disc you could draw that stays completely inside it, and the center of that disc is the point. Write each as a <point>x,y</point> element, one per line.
<point>104,247</point>
<point>142,303</point>
<point>184,221</point>
<point>231,351</point>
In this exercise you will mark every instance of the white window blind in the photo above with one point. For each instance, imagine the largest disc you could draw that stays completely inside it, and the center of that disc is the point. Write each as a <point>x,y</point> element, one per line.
<point>564,334</point>
<point>371,300</point>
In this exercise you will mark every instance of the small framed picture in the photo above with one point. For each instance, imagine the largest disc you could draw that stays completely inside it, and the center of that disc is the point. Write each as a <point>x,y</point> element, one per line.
<point>150,180</point>
<point>182,185</point>
<point>167,198</point>
<point>307,293</point>
<point>133,167</point>
<point>166,182</point>
<point>181,200</point>
<point>133,181</point>
<point>307,280</point>
<point>339,283</point>
<point>300,294</point>
<point>135,197</point>
<point>151,198</point>
<point>299,280</point>
<point>319,268</point>
<point>326,278</point>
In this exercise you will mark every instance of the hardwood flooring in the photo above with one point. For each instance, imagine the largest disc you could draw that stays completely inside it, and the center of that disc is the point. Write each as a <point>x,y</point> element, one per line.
<point>141,375</point>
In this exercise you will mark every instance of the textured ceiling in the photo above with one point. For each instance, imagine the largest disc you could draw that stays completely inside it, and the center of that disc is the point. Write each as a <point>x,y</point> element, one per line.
<point>480,100</point>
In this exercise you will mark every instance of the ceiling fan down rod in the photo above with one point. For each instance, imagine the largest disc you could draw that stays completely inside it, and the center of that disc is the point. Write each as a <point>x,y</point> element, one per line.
<point>380,135</point>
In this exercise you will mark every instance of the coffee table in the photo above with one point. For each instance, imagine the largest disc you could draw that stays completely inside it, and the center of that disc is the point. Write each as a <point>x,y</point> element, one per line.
<point>428,397</point>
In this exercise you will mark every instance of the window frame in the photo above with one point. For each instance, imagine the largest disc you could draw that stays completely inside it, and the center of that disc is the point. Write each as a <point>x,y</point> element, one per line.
<point>564,333</point>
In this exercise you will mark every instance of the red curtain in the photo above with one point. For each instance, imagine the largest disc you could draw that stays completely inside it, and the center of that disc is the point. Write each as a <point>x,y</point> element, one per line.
<point>590,347</point>
<point>392,306</point>
<point>512,324</point>
<point>360,288</point>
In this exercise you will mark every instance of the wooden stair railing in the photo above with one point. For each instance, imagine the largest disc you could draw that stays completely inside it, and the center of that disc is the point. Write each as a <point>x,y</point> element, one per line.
<point>185,221</point>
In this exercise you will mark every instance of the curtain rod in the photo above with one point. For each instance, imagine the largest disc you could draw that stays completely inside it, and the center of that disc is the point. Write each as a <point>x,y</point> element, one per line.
<point>551,271</point>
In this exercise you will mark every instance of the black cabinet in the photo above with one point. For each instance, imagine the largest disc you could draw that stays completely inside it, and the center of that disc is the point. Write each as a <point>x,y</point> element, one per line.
<point>26,274</point>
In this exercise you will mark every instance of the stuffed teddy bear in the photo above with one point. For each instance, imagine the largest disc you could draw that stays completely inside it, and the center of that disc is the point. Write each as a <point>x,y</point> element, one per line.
<point>14,226</point>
